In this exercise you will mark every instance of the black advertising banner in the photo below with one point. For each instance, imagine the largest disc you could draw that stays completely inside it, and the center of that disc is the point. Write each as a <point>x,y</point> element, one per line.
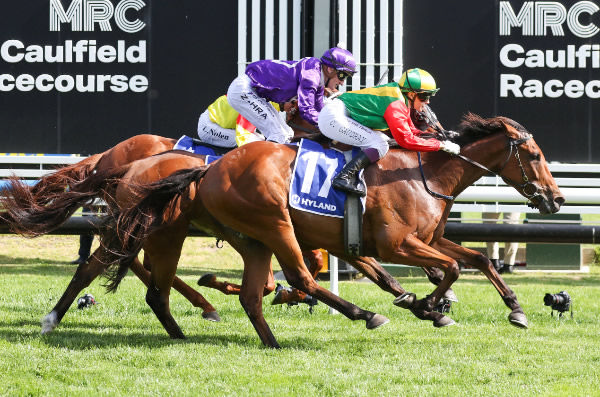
<point>549,69</point>
<point>537,62</point>
<point>78,76</point>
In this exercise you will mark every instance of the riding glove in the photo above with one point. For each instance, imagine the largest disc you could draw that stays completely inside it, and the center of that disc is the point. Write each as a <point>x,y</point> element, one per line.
<point>450,147</point>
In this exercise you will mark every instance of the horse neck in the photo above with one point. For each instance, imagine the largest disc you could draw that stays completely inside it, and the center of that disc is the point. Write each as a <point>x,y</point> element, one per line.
<point>455,175</point>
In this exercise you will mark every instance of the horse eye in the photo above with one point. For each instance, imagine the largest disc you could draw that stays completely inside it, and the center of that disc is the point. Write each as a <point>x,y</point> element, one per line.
<point>535,156</point>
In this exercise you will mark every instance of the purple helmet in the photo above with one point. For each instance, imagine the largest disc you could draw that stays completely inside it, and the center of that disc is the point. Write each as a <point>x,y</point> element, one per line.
<point>339,59</point>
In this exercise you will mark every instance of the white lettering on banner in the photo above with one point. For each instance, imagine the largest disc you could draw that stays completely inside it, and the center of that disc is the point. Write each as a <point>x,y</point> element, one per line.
<point>14,51</point>
<point>85,14</point>
<point>68,83</point>
<point>535,17</point>
<point>513,84</point>
<point>566,62</point>
<point>514,56</point>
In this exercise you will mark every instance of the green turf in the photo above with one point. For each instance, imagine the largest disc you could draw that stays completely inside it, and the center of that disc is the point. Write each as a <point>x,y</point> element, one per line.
<point>118,347</point>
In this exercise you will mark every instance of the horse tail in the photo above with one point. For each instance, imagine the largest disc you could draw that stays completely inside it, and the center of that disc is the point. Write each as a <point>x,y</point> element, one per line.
<point>130,227</point>
<point>69,175</point>
<point>28,213</point>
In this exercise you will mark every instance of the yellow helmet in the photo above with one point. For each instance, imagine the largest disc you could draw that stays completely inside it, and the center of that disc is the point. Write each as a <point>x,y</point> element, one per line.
<point>417,80</point>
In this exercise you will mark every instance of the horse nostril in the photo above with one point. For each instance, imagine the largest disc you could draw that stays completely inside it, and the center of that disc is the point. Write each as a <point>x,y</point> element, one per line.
<point>560,200</point>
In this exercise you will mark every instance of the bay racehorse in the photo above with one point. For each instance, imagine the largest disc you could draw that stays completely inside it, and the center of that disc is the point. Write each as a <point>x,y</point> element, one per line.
<point>247,191</point>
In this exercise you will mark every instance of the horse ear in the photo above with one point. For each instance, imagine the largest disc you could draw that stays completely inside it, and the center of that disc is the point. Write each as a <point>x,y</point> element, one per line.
<point>511,131</point>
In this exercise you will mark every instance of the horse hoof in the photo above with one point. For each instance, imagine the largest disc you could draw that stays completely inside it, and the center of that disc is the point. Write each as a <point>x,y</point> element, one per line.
<point>406,300</point>
<point>278,298</point>
<point>443,321</point>
<point>450,295</point>
<point>211,316</point>
<point>206,280</point>
<point>376,321</point>
<point>518,319</point>
<point>49,322</point>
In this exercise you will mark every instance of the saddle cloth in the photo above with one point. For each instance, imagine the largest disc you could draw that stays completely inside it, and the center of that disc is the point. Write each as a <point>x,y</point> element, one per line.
<point>310,187</point>
<point>196,146</point>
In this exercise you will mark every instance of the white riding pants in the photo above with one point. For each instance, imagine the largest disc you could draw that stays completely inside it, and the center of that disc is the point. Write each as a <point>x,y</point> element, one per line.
<point>213,133</point>
<point>335,123</point>
<point>257,110</point>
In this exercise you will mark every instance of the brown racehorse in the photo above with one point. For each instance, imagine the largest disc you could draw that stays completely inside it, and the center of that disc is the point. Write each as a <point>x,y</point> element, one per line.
<point>247,191</point>
<point>35,198</point>
<point>45,191</point>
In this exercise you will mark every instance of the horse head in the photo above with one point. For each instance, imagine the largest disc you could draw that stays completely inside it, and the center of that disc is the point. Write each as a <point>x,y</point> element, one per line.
<point>511,152</point>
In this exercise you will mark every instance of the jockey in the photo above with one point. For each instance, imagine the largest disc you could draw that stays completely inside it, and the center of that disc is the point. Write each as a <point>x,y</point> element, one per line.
<point>357,118</point>
<point>279,81</point>
<point>221,125</point>
<point>216,126</point>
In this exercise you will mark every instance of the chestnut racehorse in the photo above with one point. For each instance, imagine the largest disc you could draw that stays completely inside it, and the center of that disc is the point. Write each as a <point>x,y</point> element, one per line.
<point>32,202</point>
<point>247,191</point>
<point>38,197</point>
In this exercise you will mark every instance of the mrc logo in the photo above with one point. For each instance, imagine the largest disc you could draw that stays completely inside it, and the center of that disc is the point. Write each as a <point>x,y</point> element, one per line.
<point>84,15</point>
<point>536,17</point>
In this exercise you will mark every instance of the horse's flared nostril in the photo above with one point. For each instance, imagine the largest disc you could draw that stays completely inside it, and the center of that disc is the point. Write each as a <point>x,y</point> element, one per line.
<point>560,200</point>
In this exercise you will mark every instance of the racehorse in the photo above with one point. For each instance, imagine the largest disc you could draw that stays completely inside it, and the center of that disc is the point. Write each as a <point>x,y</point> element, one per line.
<point>33,199</point>
<point>43,193</point>
<point>247,191</point>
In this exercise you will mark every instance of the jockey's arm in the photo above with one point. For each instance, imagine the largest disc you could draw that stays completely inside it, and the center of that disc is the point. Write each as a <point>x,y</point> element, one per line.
<point>310,95</point>
<point>397,116</point>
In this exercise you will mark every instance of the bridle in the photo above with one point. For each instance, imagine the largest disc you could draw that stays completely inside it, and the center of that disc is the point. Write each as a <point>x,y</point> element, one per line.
<point>529,189</point>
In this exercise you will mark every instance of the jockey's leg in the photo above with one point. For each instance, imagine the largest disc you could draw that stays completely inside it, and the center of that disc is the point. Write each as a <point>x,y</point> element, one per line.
<point>258,111</point>
<point>335,123</point>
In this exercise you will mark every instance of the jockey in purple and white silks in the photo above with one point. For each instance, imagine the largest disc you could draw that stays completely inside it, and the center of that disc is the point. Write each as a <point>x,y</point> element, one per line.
<point>279,81</point>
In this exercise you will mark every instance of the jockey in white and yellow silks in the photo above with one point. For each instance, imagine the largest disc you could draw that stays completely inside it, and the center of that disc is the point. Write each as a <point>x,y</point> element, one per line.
<point>221,125</point>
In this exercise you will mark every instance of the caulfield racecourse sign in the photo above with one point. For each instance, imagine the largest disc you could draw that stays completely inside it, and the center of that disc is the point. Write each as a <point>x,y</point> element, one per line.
<point>81,16</point>
<point>532,66</point>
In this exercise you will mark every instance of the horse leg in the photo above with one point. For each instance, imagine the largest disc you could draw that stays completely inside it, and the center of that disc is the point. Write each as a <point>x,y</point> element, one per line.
<point>414,252</point>
<point>163,248</point>
<point>481,262</point>
<point>373,270</point>
<point>435,277</point>
<point>83,277</point>
<point>286,248</point>
<point>315,265</point>
<point>196,299</point>
<point>257,264</point>
<point>209,280</point>
<point>376,273</point>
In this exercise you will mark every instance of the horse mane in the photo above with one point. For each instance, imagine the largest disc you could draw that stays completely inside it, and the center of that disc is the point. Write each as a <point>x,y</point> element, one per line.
<point>473,127</point>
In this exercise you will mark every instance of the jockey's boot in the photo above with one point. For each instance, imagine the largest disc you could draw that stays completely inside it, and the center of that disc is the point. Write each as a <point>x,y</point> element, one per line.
<point>347,180</point>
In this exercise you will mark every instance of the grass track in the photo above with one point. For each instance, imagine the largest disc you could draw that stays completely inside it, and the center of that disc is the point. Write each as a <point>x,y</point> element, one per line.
<point>119,348</point>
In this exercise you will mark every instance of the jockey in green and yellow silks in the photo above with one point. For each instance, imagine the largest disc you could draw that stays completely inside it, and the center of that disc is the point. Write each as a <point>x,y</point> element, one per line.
<point>357,118</point>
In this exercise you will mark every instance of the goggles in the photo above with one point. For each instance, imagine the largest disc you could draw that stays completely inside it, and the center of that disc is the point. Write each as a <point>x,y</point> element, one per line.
<point>424,96</point>
<point>342,75</point>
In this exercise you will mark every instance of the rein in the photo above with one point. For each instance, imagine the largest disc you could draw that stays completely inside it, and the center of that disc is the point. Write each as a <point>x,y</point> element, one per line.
<point>513,144</point>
